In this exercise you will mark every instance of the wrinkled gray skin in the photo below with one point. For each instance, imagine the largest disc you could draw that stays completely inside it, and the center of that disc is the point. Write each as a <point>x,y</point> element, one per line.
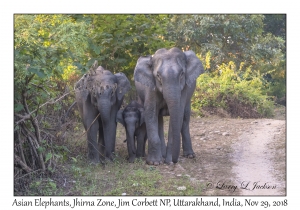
<point>165,83</point>
<point>102,92</point>
<point>132,118</point>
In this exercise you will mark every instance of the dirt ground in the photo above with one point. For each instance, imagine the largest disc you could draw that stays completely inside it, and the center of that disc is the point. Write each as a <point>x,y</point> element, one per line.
<point>235,156</point>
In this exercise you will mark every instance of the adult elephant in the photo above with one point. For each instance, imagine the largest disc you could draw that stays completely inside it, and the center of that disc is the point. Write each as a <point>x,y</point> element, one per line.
<point>165,83</point>
<point>100,93</point>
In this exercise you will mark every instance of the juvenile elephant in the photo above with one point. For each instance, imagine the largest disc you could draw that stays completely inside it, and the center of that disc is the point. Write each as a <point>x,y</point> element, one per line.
<point>132,118</point>
<point>165,83</point>
<point>100,92</point>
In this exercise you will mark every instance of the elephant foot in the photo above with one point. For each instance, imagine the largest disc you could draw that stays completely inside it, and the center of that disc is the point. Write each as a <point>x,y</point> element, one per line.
<point>131,159</point>
<point>190,156</point>
<point>94,163</point>
<point>110,158</point>
<point>168,160</point>
<point>93,160</point>
<point>154,158</point>
<point>140,156</point>
<point>156,163</point>
<point>169,163</point>
<point>107,160</point>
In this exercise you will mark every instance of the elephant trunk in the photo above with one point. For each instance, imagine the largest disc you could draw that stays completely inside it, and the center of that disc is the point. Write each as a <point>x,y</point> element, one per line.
<point>104,108</point>
<point>130,129</point>
<point>172,98</point>
<point>109,126</point>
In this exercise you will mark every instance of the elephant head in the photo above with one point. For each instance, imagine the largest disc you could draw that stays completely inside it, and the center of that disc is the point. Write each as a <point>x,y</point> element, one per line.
<point>132,117</point>
<point>102,86</point>
<point>172,75</point>
<point>154,71</point>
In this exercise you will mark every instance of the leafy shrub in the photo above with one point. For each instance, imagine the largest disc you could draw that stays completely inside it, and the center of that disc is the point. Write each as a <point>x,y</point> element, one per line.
<point>239,92</point>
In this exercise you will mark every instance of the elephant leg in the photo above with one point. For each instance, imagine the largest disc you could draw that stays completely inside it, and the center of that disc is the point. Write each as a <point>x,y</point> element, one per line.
<point>130,149</point>
<point>161,135</point>
<point>101,140</point>
<point>114,131</point>
<point>144,146</point>
<point>114,139</point>
<point>185,132</point>
<point>93,149</point>
<point>109,129</point>
<point>154,144</point>
<point>168,159</point>
<point>148,97</point>
<point>170,145</point>
<point>89,115</point>
<point>140,137</point>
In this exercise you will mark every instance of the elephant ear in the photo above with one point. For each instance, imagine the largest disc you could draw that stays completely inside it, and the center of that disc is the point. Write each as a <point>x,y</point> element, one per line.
<point>84,94</point>
<point>80,86</point>
<point>194,67</point>
<point>143,72</point>
<point>123,85</point>
<point>120,117</point>
<point>86,83</point>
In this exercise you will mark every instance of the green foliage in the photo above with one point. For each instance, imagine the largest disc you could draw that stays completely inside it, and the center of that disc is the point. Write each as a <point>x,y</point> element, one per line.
<point>45,46</point>
<point>275,24</point>
<point>256,41</point>
<point>228,88</point>
<point>227,37</point>
<point>117,41</point>
<point>42,42</point>
<point>45,187</point>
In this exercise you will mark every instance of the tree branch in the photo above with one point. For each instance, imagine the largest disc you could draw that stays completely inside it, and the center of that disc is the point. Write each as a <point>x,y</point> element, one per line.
<point>40,88</point>
<point>28,174</point>
<point>20,146</point>
<point>25,117</point>
<point>23,165</point>
<point>34,145</point>
<point>30,113</point>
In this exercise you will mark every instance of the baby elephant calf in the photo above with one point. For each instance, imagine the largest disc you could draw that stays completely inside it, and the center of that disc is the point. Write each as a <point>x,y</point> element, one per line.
<point>132,118</point>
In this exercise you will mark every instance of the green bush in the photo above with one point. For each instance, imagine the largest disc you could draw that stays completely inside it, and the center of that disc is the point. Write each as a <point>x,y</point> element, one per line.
<point>240,92</point>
